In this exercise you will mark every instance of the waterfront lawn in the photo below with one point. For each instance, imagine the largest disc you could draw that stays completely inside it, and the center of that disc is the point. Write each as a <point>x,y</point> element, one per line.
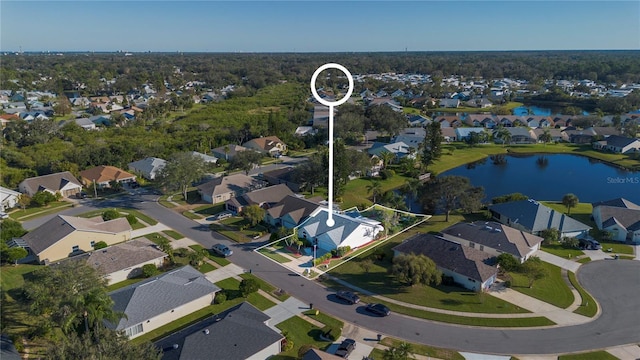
<point>355,191</point>
<point>551,289</point>
<point>582,211</point>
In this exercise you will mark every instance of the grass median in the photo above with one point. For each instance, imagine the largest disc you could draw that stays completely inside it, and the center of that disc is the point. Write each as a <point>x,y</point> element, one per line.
<point>588,307</point>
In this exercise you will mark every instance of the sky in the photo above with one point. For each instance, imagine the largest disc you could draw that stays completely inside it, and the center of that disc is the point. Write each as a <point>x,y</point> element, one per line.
<point>318,26</point>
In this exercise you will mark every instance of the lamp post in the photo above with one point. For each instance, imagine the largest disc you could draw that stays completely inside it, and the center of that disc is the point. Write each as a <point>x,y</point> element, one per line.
<point>315,245</point>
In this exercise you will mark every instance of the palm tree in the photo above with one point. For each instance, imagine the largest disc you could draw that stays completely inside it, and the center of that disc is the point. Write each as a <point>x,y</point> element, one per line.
<point>545,137</point>
<point>165,245</point>
<point>399,352</point>
<point>570,200</point>
<point>410,187</point>
<point>98,306</point>
<point>375,188</point>
<point>387,158</point>
<point>504,135</point>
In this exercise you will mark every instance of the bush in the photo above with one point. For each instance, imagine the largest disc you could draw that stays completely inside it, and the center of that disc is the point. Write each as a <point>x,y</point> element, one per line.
<point>508,262</point>
<point>132,219</point>
<point>110,214</point>
<point>343,250</point>
<point>100,245</point>
<point>387,174</point>
<point>329,333</point>
<point>221,297</point>
<point>507,284</point>
<point>570,243</point>
<point>248,286</point>
<point>149,270</point>
<point>42,198</point>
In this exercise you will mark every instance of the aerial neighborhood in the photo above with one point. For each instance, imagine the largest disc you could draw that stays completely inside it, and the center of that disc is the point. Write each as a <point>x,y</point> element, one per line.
<point>186,213</point>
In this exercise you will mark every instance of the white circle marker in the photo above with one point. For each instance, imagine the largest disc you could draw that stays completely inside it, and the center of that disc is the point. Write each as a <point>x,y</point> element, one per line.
<point>331,105</point>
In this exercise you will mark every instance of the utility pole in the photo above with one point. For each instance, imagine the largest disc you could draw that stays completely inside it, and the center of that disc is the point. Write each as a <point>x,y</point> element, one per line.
<point>95,189</point>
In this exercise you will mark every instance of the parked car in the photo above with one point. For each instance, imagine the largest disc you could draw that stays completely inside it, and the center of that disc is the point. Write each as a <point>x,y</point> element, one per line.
<point>348,296</point>
<point>222,250</point>
<point>81,195</point>
<point>4,215</point>
<point>589,244</point>
<point>378,309</point>
<point>345,348</point>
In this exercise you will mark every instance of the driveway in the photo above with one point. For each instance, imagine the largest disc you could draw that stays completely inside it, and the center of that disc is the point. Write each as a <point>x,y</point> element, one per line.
<point>558,261</point>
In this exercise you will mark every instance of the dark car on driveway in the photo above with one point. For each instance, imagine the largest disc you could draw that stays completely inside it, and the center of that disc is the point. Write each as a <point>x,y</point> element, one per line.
<point>378,309</point>
<point>222,250</point>
<point>348,296</point>
<point>345,348</point>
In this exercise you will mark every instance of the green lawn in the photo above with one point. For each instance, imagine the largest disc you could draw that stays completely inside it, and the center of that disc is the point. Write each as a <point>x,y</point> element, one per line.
<point>123,212</point>
<point>12,275</point>
<point>595,355</point>
<point>558,250</point>
<point>355,192</point>
<point>35,211</point>
<point>231,288</point>
<point>301,332</point>
<point>551,289</point>
<point>206,267</point>
<point>266,287</point>
<point>582,211</point>
<point>209,209</point>
<point>191,215</point>
<point>325,319</point>
<point>617,247</point>
<point>588,307</point>
<point>213,257</point>
<point>173,234</point>
<point>274,255</point>
<point>124,283</point>
<point>155,237</point>
<point>425,350</point>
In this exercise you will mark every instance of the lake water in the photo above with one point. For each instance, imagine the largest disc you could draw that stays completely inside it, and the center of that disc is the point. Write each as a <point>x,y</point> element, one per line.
<point>535,110</point>
<point>551,176</point>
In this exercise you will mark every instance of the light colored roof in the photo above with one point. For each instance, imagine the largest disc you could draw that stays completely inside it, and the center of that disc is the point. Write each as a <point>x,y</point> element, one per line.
<point>205,157</point>
<point>125,255</point>
<point>344,225</point>
<point>493,235</point>
<point>450,255</point>
<point>155,296</point>
<point>4,192</point>
<point>59,227</point>
<point>148,165</point>
<point>51,182</point>
<point>105,173</point>
<point>537,217</point>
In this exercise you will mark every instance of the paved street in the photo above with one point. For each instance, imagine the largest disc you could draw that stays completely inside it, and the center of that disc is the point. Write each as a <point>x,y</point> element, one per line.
<point>613,283</point>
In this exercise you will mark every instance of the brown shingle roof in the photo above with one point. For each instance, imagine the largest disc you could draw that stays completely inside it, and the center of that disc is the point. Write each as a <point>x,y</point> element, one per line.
<point>297,208</point>
<point>51,182</point>
<point>104,173</point>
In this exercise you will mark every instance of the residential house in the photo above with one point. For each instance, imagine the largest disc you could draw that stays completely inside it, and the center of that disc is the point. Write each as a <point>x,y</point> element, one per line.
<point>8,199</point>
<point>399,149</point>
<point>533,217</point>
<point>62,183</point>
<point>64,236</point>
<point>413,137</point>
<point>562,121</point>
<point>448,134</point>
<point>618,144</point>
<point>507,120</point>
<point>282,176</point>
<point>471,268</point>
<point>149,167</point>
<point>577,136</point>
<point>494,239</point>
<point>265,198</point>
<point>557,135</point>
<point>448,121</point>
<point>227,152</point>
<point>208,159</point>
<point>269,145</point>
<point>219,336</point>
<point>157,301</point>
<point>305,131</point>
<point>479,120</point>
<point>449,103</point>
<point>84,123</point>
<point>224,188</point>
<point>124,261</point>
<point>418,120</point>
<point>103,175</point>
<point>604,132</point>
<point>464,134</point>
<point>317,354</point>
<point>291,211</point>
<point>620,218</point>
<point>386,101</point>
<point>321,116</point>
<point>519,135</point>
<point>346,231</point>
<point>7,118</point>
<point>101,120</point>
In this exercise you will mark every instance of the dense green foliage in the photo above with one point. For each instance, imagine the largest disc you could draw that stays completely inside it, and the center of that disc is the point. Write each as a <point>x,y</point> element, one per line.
<point>412,269</point>
<point>10,228</point>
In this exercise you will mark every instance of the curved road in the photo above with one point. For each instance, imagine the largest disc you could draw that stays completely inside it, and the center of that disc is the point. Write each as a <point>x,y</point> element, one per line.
<point>615,284</point>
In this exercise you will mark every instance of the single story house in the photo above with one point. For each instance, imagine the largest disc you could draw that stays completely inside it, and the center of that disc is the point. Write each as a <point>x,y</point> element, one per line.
<point>84,123</point>
<point>239,333</point>
<point>533,217</point>
<point>224,188</point>
<point>448,134</point>
<point>347,230</point>
<point>464,134</point>
<point>148,167</point>
<point>282,176</point>
<point>399,149</point>
<point>471,268</point>
<point>618,144</point>
<point>413,137</point>
<point>480,120</point>
<point>519,135</point>
<point>448,121</point>
<point>449,103</point>
<point>269,145</point>
<point>557,135</point>
<point>125,260</point>
<point>208,159</point>
<point>418,120</point>
<point>317,354</point>
<point>227,152</point>
<point>64,236</point>
<point>103,175</point>
<point>8,198</point>
<point>265,198</point>
<point>305,130</point>
<point>63,183</point>
<point>494,239</point>
<point>157,301</point>
<point>291,211</point>
<point>620,218</point>
<point>577,136</point>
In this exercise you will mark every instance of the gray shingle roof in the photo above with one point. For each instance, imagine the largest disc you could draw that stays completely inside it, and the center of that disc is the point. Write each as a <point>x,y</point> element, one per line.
<point>450,255</point>
<point>235,334</point>
<point>148,166</point>
<point>52,182</point>
<point>297,208</point>
<point>620,141</point>
<point>537,217</point>
<point>494,235</point>
<point>627,218</point>
<point>237,183</point>
<point>269,195</point>
<point>122,256</point>
<point>619,202</point>
<point>155,296</point>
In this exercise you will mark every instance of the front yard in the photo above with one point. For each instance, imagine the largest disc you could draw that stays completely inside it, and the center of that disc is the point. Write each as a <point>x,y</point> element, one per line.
<point>551,289</point>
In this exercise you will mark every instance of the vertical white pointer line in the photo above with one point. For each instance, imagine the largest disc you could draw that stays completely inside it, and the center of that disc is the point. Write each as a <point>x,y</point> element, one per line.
<point>330,218</point>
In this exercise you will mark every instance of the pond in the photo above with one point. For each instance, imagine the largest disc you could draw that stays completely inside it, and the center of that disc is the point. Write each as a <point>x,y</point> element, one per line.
<point>539,111</point>
<point>551,176</point>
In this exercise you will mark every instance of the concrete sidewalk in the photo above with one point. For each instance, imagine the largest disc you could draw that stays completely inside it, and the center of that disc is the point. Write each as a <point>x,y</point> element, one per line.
<point>225,272</point>
<point>149,229</point>
<point>285,310</point>
<point>563,263</point>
